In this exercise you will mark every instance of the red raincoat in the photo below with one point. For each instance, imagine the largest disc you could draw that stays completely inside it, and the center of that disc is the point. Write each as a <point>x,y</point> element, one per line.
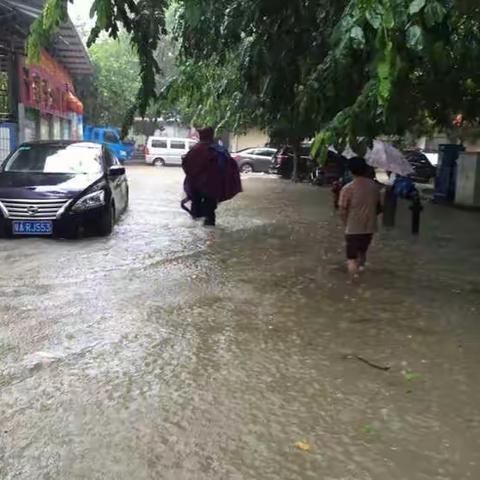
<point>205,173</point>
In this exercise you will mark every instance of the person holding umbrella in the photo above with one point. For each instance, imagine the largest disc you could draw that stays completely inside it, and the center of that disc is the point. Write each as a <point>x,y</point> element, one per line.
<point>360,204</point>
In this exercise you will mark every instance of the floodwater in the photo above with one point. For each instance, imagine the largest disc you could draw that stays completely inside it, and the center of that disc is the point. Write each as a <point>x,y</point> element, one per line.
<point>170,351</point>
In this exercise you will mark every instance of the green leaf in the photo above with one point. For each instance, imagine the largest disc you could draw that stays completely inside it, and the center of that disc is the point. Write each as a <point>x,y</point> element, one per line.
<point>374,16</point>
<point>358,37</point>
<point>411,376</point>
<point>434,13</point>
<point>415,38</point>
<point>368,429</point>
<point>320,146</point>
<point>416,6</point>
<point>388,17</point>
<point>385,75</point>
<point>316,146</point>
<point>348,91</point>
<point>93,9</point>
<point>470,85</point>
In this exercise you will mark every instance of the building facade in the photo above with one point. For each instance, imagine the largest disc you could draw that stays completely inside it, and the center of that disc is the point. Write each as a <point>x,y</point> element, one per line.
<point>38,100</point>
<point>253,138</point>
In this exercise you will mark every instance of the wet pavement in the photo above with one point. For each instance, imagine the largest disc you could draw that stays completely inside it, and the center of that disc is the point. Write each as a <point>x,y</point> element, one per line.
<point>170,351</point>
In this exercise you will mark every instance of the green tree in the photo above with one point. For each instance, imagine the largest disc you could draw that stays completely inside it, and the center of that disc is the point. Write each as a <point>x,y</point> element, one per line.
<point>115,82</point>
<point>409,63</point>
<point>347,69</point>
<point>205,92</point>
<point>263,46</point>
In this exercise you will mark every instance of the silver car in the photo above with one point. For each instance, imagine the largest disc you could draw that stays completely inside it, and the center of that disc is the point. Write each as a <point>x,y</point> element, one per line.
<point>161,151</point>
<point>254,159</point>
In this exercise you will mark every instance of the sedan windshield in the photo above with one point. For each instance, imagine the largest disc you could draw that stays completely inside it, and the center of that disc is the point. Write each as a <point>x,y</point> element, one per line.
<point>72,159</point>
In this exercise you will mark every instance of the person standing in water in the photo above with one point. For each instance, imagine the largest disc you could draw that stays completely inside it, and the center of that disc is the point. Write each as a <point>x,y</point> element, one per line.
<point>360,204</point>
<point>212,176</point>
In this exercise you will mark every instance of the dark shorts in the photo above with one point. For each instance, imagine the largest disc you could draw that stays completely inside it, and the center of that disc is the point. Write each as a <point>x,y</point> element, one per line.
<point>358,244</point>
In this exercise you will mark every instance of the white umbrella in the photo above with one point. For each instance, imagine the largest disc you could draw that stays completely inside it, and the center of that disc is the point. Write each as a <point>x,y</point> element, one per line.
<point>385,157</point>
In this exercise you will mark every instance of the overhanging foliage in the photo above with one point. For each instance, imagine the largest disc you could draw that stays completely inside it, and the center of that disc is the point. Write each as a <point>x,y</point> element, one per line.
<point>336,69</point>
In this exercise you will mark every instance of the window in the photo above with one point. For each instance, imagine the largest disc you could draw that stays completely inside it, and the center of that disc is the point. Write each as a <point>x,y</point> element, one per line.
<point>175,145</point>
<point>110,137</point>
<point>264,153</point>
<point>109,158</point>
<point>305,150</point>
<point>159,144</point>
<point>72,159</point>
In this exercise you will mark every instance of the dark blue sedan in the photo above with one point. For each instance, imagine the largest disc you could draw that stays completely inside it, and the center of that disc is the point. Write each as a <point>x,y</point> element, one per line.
<point>61,188</point>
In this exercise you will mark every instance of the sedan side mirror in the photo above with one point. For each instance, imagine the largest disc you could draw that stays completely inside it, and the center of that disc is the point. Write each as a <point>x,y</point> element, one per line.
<point>116,171</point>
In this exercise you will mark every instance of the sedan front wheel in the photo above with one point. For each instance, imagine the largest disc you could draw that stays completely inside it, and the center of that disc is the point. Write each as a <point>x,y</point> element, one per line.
<point>107,222</point>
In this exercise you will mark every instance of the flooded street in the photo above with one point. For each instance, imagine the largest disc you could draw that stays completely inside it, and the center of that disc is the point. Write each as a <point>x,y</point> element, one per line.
<point>171,351</point>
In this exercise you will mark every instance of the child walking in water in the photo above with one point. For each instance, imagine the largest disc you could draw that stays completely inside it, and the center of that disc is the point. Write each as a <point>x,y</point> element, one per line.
<point>359,207</point>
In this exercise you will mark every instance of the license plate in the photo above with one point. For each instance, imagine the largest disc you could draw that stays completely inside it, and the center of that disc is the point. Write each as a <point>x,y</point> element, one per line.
<point>32,228</point>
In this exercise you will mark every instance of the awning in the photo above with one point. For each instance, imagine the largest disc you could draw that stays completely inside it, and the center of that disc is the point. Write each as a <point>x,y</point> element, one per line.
<point>67,47</point>
<point>69,50</point>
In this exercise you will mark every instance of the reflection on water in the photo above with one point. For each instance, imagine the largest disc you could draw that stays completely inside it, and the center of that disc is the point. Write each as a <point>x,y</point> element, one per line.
<point>171,351</point>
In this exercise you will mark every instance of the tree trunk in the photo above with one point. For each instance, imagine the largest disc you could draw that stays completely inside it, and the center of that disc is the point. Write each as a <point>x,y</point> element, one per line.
<point>296,160</point>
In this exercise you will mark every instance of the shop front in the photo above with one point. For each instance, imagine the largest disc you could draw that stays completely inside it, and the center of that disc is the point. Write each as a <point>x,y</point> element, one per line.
<point>49,108</point>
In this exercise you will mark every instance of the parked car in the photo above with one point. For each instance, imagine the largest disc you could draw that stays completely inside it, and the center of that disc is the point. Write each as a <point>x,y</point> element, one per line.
<point>161,151</point>
<point>254,159</point>
<point>282,164</point>
<point>423,170</point>
<point>60,188</point>
<point>282,161</point>
<point>334,168</point>
<point>110,137</point>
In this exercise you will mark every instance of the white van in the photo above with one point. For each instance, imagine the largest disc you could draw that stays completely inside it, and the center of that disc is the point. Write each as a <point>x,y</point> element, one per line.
<point>161,151</point>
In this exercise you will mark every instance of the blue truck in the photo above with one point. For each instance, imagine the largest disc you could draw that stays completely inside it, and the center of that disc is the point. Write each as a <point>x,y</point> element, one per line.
<point>110,137</point>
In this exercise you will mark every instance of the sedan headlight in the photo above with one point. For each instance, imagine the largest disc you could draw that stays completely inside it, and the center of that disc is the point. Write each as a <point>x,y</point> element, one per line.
<point>92,200</point>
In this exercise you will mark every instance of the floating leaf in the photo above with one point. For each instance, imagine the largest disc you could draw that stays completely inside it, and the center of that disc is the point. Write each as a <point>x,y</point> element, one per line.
<point>411,376</point>
<point>368,429</point>
<point>303,445</point>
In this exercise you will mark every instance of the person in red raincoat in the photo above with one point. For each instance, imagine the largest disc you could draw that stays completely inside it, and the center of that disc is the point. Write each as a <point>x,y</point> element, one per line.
<point>212,176</point>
